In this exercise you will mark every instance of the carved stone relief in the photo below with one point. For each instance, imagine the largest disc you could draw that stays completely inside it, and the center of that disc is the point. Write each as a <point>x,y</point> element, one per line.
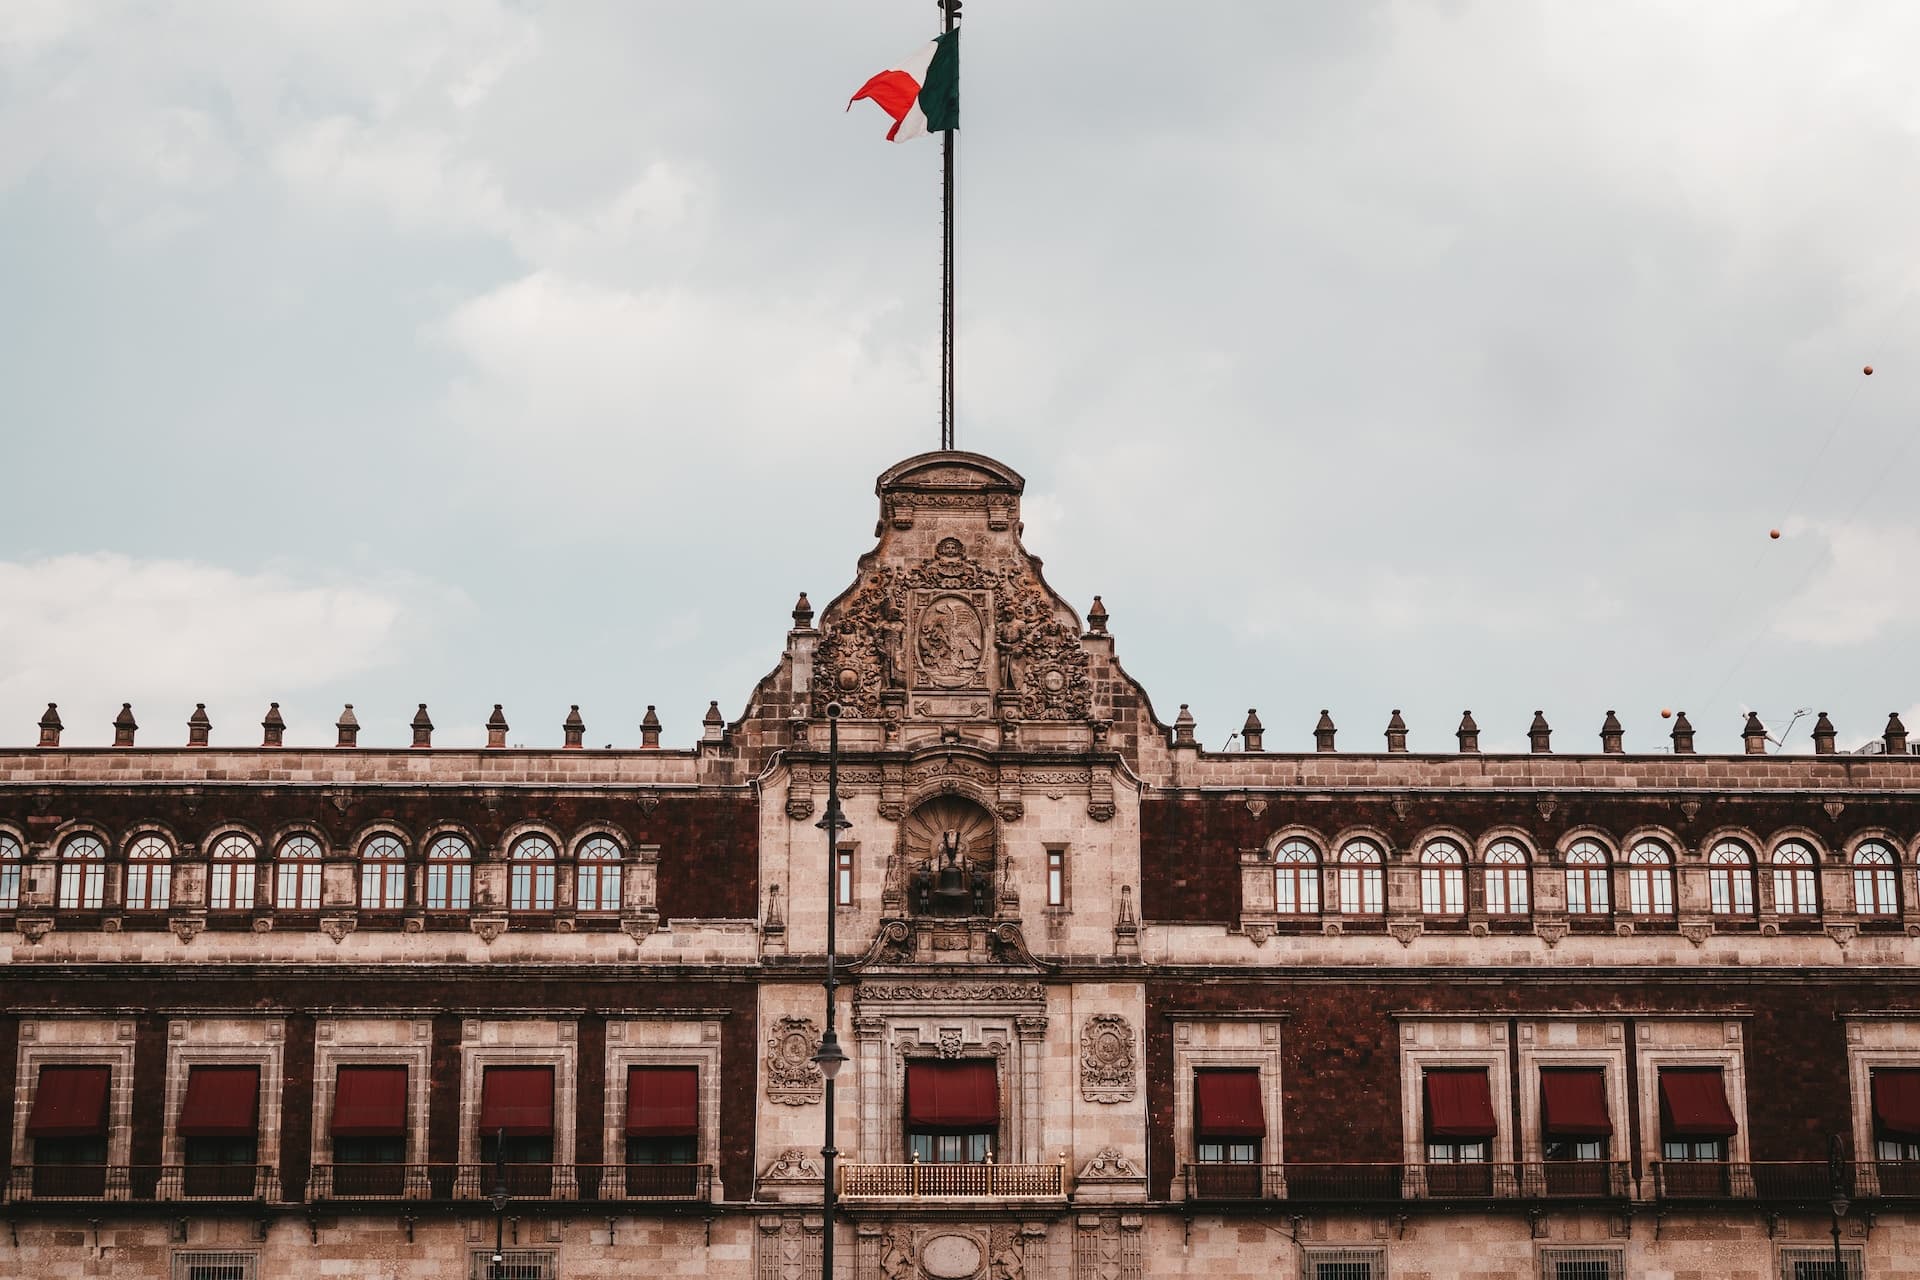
<point>792,1077</point>
<point>1106,1059</point>
<point>787,1248</point>
<point>1106,1246</point>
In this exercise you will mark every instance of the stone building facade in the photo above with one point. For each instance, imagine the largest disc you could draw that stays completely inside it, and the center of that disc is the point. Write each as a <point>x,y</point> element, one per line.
<point>1115,1006</point>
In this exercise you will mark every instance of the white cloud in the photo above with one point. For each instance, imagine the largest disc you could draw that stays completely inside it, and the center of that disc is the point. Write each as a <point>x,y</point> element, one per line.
<point>1861,588</point>
<point>91,631</point>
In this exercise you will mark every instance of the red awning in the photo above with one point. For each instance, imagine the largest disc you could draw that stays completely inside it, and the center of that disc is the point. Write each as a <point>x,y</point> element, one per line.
<point>370,1102</point>
<point>71,1102</point>
<point>952,1096</point>
<point>1460,1105</point>
<point>663,1102</point>
<point>1693,1104</point>
<point>1573,1102</point>
<point>517,1101</point>
<point>222,1102</point>
<point>1226,1104</point>
<point>1896,1102</point>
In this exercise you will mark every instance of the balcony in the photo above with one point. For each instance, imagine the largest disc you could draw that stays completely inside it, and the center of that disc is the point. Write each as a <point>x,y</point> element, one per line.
<point>928,1181</point>
<point>79,1183</point>
<point>1370,1184</point>
<point>1779,1182</point>
<point>593,1183</point>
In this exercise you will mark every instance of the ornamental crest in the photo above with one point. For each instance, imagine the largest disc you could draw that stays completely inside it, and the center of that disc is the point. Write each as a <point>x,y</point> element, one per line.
<point>1106,1059</point>
<point>792,1077</point>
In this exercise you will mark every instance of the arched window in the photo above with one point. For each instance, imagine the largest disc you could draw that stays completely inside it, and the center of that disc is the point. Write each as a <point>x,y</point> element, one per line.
<point>296,885</point>
<point>1443,879</point>
<point>1363,885</point>
<point>230,874</point>
<point>1795,890</point>
<point>1730,879</point>
<point>383,874</point>
<point>149,874</point>
<point>1506,879</point>
<point>83,874</point>
<point>449,874</point>
<point>1876,883</point>
<point>12,863</point>
<point>597,878</point>
<point>1587,889</point>
<point>1650,879</point>
<point>1296,879</point>
<point>535,866</point>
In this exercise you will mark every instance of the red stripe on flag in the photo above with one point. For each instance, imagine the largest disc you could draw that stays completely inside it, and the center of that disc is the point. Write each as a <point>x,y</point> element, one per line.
<point>894,92</point>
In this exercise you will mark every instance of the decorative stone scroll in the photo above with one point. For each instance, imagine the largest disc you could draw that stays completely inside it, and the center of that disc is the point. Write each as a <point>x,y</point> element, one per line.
<point>952,992</point>
<point>1107,1059</point>
<point>792,1077</point>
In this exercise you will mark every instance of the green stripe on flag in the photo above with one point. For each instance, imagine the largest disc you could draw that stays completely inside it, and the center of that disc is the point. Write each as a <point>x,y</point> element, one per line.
<point>940,92</point>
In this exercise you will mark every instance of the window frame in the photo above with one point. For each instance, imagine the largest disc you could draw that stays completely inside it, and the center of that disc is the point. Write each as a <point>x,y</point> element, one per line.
<point>1363,877</point>
<point>304,871</point>
<point>444,874</point>
<point>1795,866</point>
<point>844,875</point>
<point>1057,877</point>
<point>1443,879</point>
<point>1593,871</point>
<point>1682,1043</point>
<point>13,871</point>
<point>1202,1044</point>
<point>384,873</point>
<point>1513,876</point>
<point>535,873</point>
<point>1443,1044</point>
<point>1296,864</point>
<point>1650,879</point>
<point>228,875</point>
<point>1730,880</point>
<point>148,883</point>
<point>85,872</point>
<point>591,867</point>
<point>1881,878</point>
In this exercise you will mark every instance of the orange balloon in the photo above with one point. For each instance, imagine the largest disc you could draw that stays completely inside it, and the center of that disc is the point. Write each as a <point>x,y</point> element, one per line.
<point>1773,533</point>
<point>1666,713</point>
<point>1868,371</point>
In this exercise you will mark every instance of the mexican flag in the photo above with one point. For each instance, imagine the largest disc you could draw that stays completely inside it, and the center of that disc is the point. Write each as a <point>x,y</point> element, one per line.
<point>922,94</point>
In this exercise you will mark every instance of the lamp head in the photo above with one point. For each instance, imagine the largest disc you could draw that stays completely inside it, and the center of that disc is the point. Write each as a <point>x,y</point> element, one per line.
<point>833,710</point>
<point>831,1057</point>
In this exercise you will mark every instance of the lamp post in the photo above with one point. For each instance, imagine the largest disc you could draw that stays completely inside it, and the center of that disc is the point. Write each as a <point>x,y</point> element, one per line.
<point>831,1057</point>
<point>1837,1192</point>
<point>499,1202</point>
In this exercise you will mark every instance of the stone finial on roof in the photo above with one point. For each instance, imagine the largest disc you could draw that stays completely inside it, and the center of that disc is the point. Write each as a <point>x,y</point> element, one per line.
<point>1612,735</point>
<point>713,725</point>
<point>1896,736</point>
<point>422,727</point>
<point>1682,734</point>
<point>575,730</point>
<point>1252,734</point>
<point>349,726</point>
<point>1823,736</point>
<point>124,726</point>
<point>273,728</point>
<point>1754,735</point>
<point>199,727</point>
<point>1097,618</point>
<point>1396,732</point>
<point>650,729</point>
<point>1323,732</point>
<point>1539,734</point>
<point>1183,728</point>
<point>496,729</point>
<point>1468,733</point>
<point>802,613</point>
<point>50,726</point>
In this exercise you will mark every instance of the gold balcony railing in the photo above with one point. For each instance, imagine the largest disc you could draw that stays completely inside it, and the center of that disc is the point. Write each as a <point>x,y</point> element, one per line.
<point>925,1180</point>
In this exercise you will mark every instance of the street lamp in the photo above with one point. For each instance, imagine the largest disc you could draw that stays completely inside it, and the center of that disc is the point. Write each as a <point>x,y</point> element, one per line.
<point>499,1201</point>
<point>831,1057</point>
<point>1837,1202</point>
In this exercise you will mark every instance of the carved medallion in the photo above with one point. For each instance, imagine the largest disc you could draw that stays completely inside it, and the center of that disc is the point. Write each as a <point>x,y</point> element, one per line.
<point>792,1077</point>
<point>949,642</point>
<point>1106,1059</point>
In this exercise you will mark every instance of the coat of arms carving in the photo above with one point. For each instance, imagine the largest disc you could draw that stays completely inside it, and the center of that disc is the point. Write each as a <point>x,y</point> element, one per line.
<point>792,1077</point>
<point>1106,1059</point>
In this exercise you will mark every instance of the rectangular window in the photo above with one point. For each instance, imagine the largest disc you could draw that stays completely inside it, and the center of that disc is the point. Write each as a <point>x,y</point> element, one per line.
<point>1896,1124</point>
<point>369,1128</point>
<point>219,1129</point>
<point>516,1126</point>
<point>953,1110</point>
<point>1815,1262</point>
<point>226,1264</point>
<point>843,876</point>
<point>1583,1264</point>
<point>68,1129</point>
<point>1573,1112</point>
<point>1056,877</point>
<point>1343,1264</point>
<point>514,1264</point>
<point>662,1129</point>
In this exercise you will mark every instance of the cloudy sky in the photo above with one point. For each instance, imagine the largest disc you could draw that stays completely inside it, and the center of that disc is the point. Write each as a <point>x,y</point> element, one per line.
<point>1360,355</point>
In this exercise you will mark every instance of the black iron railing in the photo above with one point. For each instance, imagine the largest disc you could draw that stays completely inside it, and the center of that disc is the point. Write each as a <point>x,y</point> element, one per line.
<point>1398,1183</point>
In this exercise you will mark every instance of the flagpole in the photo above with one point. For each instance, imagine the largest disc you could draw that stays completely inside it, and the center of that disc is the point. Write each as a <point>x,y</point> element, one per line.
<point>950,13</point>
